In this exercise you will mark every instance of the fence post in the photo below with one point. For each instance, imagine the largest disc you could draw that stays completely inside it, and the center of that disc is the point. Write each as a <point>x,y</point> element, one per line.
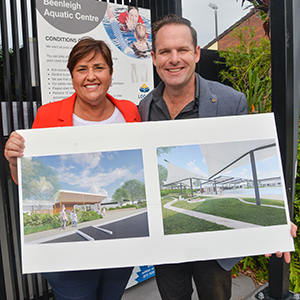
<point>285,105</point>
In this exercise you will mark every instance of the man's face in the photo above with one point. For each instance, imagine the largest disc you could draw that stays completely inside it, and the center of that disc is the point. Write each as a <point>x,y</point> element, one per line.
<point>175,57</point>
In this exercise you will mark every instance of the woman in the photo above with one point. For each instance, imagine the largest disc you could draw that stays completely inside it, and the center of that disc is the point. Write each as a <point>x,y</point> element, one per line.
<point>128,19</point>
<point>91,67</point>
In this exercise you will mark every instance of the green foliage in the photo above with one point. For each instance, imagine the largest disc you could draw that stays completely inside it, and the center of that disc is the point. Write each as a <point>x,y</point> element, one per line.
<point>34,182</point>
<point>164,193</point>
<point>135,189</point>
<point>249,68</point>
<point>119,195</point>
<point>256,266</point>
<point>84,216</point>
<point>162,150</point>
<point>295,257</point>
<point>162,174</point>
<point>38,222</point>
<point>142,204</point>
<point>128,206</point>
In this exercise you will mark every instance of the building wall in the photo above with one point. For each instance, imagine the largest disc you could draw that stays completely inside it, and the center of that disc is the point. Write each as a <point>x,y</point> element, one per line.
<point>254,21</point>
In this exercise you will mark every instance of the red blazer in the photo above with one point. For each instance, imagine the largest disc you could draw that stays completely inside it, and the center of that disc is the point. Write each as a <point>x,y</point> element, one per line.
<point>60,113</point>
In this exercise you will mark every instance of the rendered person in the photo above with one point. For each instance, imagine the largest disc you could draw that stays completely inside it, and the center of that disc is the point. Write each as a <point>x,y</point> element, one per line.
<point>64,218</point>
<point>128,19</point>
<point>74,218</point>
<point>91,67</point>
<point>184,94</point>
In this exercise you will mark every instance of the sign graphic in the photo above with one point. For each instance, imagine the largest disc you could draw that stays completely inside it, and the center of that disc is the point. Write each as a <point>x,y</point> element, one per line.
<point>61,24</point>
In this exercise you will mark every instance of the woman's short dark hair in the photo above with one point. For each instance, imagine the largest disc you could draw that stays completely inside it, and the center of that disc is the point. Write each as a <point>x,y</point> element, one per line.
<point>169,20</point>
<point>132,7</point>
<point>86,46</point>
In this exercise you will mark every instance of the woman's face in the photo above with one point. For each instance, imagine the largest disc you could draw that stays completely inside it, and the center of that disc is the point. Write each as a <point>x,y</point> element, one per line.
<point>133,15</point>
<point>91,79</point>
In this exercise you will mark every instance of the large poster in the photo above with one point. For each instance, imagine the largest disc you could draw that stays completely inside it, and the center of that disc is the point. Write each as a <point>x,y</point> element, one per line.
<point>151,193</point>
<point>127,31</point>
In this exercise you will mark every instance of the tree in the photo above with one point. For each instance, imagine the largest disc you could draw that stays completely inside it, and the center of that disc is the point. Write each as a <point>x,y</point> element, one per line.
<point>39,182</point>
<point>249,69</point>
<point>41,189</point>
<point>263,6</point>
<point>135,188</point>
<point>119,195</point>
<point>162,150</point>
<point>162,174</point>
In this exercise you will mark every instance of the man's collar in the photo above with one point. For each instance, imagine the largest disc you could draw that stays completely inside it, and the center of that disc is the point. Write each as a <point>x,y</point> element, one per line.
<point>158,92</point>
<point>197,86</point>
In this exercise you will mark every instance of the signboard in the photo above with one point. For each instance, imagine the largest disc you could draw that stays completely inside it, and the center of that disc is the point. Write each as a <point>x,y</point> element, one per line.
<point>61,24</point>
<point>229,201</point>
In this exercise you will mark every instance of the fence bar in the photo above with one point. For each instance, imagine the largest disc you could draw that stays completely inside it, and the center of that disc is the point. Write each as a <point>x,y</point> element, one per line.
<point>285,104</point>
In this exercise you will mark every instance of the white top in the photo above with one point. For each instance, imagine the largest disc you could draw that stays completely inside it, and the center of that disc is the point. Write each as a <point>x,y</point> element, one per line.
<point>116,117</point>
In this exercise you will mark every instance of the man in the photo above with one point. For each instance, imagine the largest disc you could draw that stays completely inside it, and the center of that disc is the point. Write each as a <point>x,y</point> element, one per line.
<point>184,94</point>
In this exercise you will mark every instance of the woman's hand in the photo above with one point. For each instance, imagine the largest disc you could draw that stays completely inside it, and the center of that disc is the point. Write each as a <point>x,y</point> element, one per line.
<point>131,24</point>
<point>287,255</point>
<point>14,148</point>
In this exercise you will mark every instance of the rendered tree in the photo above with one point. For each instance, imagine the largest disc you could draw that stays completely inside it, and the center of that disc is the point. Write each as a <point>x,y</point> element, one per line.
<point>135,188</point>
<point>39,182</point>
<point>119,195</point>
<point>162,174</point>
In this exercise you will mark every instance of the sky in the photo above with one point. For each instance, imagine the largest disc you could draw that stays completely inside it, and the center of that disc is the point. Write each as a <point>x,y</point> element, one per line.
<point>203,17</point>
<point>190,157</point>
<point>96,173</point>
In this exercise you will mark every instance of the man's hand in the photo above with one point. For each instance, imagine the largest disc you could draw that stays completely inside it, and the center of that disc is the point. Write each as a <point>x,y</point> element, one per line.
<point>286,255</point>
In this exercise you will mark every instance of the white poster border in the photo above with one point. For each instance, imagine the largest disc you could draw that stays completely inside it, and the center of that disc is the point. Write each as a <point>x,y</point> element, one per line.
<point>156,248</point>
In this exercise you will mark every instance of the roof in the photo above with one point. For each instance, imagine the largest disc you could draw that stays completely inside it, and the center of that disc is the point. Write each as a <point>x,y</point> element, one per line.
<point>77,197</point>
<point>231,28</point>
<point>228,156</point>
<point>223,157</point>
<point>177,174</point>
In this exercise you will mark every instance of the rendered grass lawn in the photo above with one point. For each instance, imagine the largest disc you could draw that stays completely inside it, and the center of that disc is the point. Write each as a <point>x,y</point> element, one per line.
<point>175,223</point>
<point>266,201</point>
<point>232,208</point>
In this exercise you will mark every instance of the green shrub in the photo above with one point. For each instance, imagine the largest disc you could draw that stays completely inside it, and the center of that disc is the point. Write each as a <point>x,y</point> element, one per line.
<point>129,206</point>
<point>142,204</point>
<point>84,216</point>
<point>164,193</point>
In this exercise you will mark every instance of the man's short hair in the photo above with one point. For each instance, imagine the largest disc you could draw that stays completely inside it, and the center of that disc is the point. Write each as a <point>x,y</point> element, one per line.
<point>169,20</point>
<point>86,46</point>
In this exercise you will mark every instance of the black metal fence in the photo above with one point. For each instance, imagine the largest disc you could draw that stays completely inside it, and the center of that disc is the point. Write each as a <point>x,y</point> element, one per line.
<point>20,97</point>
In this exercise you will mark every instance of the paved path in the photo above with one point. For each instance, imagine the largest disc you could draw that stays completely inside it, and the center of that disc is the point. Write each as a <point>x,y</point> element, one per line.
<point>220,220</point>
<point>211,218</point>
<point>268,205</point>
<point>110,216</point>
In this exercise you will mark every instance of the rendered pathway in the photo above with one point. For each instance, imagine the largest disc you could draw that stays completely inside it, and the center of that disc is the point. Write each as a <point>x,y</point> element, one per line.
<point>214,219</point>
